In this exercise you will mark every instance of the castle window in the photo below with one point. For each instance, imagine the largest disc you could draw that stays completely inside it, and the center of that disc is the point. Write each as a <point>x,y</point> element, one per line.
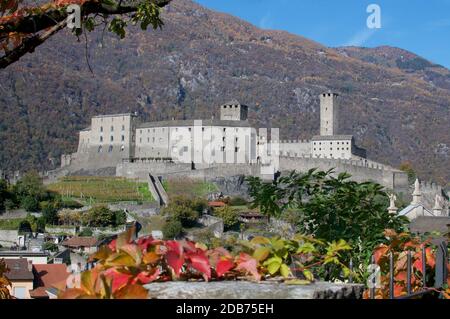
<point>223,138</point>
<point>314,149</point>
<point>190,129</point>
<point>153,140</point>
<point>100,149</point>
<point>224,129</point>
<point>122,148</point>
<point>110,149</point>
<point>236,139</point>
<point>203,129</point>
<point>176,129</point>
<point>224,106</point>
<point>222,148</point>
<point>112,138</point>
<point>148,139</point>
<point>123,127</point>
<point>140,140</point>
<point>236,149</point>
<point>338,148</point>
<point>101,128</point>
<point>112,128</point>
<point>331,155</point>
<point>101,139</point>
<point>123,138</point>
<point>235,106</point>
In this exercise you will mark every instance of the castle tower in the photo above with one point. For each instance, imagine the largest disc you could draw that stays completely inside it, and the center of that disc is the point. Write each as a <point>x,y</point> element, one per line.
<point>233,111</point>
<point>329,110</point>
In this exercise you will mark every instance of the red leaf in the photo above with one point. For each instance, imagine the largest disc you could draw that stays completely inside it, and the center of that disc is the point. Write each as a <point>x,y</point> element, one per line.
<point>249,265</point>
<point>118,279</point>
<point>380,252</point>
<point>223,266</point>
<point>145,242</point>
<point>112,245</point>
<point>199,262</point>
<point>145,277</point>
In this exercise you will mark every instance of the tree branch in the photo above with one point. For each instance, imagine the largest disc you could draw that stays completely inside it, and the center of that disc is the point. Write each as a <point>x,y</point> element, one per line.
<point>29,44</point>
<point>55,20</point>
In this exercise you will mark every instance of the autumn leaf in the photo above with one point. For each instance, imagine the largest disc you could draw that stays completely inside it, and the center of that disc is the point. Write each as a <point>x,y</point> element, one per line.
<point>248,264</point>
<point>200,262</point>
<point>133,291</point>
<point>223,266</point>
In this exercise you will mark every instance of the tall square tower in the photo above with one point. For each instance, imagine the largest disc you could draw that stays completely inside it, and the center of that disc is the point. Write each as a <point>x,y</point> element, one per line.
<point>329,111</point>
<point>233,111</point>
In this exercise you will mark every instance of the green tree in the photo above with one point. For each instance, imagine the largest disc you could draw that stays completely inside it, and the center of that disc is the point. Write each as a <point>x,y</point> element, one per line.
<point>330,208</point>
<point>50,212</point>
<point>185,210</point>
<point>172,229</point>
<point>30,190</point>
<point>86,232</point>
<point>25,227</point>
<point>120,218</point>
<point>100,216</point>
<point>229,216</point>
<point>3,194</point>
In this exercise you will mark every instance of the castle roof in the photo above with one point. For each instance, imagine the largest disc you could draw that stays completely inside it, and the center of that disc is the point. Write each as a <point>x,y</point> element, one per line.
<point>214,122</point>
<point>331,137</point>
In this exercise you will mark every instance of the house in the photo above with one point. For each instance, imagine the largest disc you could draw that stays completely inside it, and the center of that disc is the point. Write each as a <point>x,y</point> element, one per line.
<point>36,257</point>
<point>49,279</point>
<point>21,277</point>
<point>88,245</point>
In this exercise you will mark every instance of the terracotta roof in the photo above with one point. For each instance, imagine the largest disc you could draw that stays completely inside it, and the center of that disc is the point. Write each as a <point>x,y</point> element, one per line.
<point>216,204</point>
<point>48,276</point>
<point>18,269</point>
<point>76,242</point>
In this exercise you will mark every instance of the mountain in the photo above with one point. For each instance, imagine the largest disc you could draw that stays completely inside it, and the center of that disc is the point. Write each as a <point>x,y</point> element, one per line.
<point>394,102</point>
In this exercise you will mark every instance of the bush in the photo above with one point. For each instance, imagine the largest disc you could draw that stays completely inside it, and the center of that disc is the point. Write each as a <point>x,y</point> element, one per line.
<point>71,204</point>
<point>185,210</point>
<point>100,216</point>
<point>10,204</point>
<point>30,204</point>
<point>24,227</point>
<point>86,232</point>
<point>50,212</point>
<point>50,246</point>
<point>238,201</point>
<point>229,216</point>
<point>172,229</point>
<point>120,218</point>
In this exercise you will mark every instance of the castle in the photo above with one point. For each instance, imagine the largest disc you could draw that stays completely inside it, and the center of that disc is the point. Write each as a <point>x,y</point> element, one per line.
<point>223,147</point>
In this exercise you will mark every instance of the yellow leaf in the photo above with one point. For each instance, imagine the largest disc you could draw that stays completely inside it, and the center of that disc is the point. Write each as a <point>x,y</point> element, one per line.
<point>261,253</point>
<point>297,282</point>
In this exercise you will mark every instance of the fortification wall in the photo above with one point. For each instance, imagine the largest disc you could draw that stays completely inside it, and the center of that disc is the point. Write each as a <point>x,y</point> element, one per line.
<point>360,171</point>
<point>297,148</point>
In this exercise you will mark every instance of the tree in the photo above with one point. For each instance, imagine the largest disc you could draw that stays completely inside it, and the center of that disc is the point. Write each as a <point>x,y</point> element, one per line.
<point>229,216</point>
<point>24,227</point>
<point>185,210</point>
<point>330,208</point>
<point>100,216</point>
<point>29,191</point>
<point>50,212</point>
<point>26,25</point>
<point>3,194</point>
<point>172,229</point>
<point>86,232</point>
<point>120,218</point>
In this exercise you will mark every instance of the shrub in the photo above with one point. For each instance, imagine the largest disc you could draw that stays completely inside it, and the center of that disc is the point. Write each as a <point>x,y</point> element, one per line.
<point>71,204</point>
<point>10,204</point>
<point>50,212</point>
<point>50,246</point>
<point>120,217</point>
<point>100,216</point>
<point>229,216</point>
<point>24,227</point>
<point>30,204</point>
<point>86,232</point>
<point>185,210</point>
<point>172,229</point>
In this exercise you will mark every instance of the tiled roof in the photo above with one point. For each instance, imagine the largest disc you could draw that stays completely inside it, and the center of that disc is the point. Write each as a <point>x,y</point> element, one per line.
<point>76,242</point>
<point>48,276</point>
<point>216,204</point>
<point>18,269</point>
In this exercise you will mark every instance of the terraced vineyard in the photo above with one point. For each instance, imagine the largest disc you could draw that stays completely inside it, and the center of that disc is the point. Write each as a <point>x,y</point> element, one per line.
<point>102,189</point>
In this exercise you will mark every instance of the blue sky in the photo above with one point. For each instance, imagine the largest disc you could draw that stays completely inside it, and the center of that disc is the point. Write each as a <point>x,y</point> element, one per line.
<point>420,26</point>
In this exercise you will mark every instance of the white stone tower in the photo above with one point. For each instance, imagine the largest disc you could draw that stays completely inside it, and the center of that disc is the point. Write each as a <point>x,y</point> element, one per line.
<point>329,110</point>
<point>233,111</point>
